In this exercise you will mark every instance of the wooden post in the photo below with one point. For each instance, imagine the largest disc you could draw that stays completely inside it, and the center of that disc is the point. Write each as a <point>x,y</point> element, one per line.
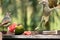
<point>0,36</point>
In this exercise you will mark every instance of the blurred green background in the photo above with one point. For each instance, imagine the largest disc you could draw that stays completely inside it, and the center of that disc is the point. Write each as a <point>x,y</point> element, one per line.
<point>28,13</point>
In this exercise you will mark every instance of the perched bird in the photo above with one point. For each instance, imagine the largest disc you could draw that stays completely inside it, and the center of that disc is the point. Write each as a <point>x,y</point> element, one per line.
<point>46,13</point>
<point>52,3</point>
<point>6,20</point>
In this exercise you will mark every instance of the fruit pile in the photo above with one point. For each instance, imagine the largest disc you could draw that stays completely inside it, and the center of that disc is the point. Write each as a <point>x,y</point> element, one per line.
<point>18,29</point>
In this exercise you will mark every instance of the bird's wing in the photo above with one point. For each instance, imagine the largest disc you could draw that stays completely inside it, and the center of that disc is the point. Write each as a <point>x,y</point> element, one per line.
<point>6,20</point>
<point>57,7</point>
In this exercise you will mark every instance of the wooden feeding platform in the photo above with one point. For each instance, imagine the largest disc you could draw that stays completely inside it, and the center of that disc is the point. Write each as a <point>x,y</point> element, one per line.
<point>31,36</point>
<point>44,35</point>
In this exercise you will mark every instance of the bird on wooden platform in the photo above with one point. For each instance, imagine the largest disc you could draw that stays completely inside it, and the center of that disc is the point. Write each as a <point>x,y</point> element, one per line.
<point>6,21</point>
<point>46,12</point>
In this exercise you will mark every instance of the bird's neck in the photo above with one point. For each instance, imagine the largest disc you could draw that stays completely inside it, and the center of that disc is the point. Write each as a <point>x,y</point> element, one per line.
<point>7,16</point>
<point>46,6</point>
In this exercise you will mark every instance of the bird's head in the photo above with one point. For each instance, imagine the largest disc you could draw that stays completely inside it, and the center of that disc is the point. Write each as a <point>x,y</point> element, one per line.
<point>44,2</point>
<point>8,14</point>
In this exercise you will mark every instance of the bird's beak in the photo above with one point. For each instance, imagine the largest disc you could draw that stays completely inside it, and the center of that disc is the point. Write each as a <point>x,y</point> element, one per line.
<point>40,2</point>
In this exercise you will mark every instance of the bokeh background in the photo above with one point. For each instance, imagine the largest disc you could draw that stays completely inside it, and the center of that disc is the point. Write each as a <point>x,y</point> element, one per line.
<point>28,13</point>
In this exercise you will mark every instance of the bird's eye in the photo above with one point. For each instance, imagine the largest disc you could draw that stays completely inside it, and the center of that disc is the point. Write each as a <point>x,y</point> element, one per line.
<point>43,3</point>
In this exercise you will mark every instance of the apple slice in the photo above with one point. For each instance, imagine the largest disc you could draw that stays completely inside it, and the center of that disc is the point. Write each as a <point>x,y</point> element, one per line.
<point>27,33</point>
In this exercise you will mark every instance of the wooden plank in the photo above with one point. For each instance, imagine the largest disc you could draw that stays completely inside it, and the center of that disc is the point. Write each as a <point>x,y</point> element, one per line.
<point>50,32</point>
<point>33,36</point>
